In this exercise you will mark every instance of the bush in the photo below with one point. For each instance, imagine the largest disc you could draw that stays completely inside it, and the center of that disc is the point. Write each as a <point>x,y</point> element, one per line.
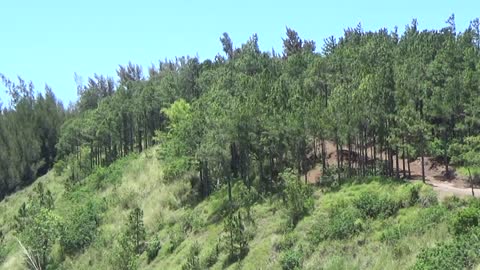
<point>59,167</point>
<point>344,223</point>
<point>432,216</point>
<point>124,256</point>
<point>465,220</point>
<point>131,242</point>
<point>80,228</point>
<point>3,252</point>
<point>394,233</point>
<point>427,197</point>
<point>191,221</point>
<point>341,223</point>
<point>235,237</point>
<point>414,192</point>
<point>461,253</point>
<point>177,236</point>
<point>453,202</point>
<point>212,257</point>
<point>153,248</point>
<point>288,241</point>
<point>291,259</point>
<point>298,197</point>
<point>371,205</point>
<point>426,219</point>
<point>192,261</point>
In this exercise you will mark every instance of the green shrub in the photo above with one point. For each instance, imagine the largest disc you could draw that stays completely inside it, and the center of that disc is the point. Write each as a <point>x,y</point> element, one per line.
<point>461,253</point>
<point>436,148</point>
<point>80,227</point>
<point>131,242</point>
<point>464,220</point>
<point>394,233</point>
<point>426,219</point>
<point>344,223</point>
<point>3,252</point>
<point>38,227</point>
<point>235,237</point>
<point>191,221</point>
<point>288,241</point>
<point>177,236</point>
<point>453,202</point>
<point>291,259</point>
<point>298,197</point>
<point>153,248</point>
<point>341,223</point>
<point>59,167</point>
<point>371,205</point>
<point>473,202</point>
<point>414,192</point>
<point>124,256</point>
<point>427,197</point>
<point>212,257</point>
<point>192,261</point>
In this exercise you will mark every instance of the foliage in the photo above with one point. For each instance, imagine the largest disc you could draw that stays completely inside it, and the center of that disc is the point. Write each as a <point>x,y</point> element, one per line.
<point>342,222</point>
<point>464,220</point>
<point>235,236</point>
<point>371,205</point>
<point>298,197</point>
<point>458,254</point>
<point>291,259</point>
<point>135,231</point>
<point>427,197</point>
<point>38,227</point>
<point>29,132</point>
<point>176,237</point>
<point>212,257</point>
<point>124,256</point>
<point>175,152</point>
<point>3,252</point>
<point>80,227</point>
<point>153,248</point>
<point>131,243</point>
<point>262,120</point>
<point>426,219</point>
<point>192,262</point>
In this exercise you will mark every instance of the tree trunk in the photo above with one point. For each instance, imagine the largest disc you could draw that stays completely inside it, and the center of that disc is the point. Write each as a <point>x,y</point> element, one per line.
<point>324,158</point>
<point>408,164</point>
<point>374,156</point>
<point>338,161</point>
<point>403,161</point>
<point>471,181</point>
<point>396,163</point>
<point>423,168</point>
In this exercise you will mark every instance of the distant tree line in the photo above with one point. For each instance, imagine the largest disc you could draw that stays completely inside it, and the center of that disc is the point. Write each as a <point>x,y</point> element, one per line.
<point>384,99</point>
<point>29,131</point>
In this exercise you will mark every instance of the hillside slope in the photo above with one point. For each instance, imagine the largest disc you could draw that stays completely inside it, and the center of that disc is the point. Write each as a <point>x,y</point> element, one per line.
<point>368,224</point>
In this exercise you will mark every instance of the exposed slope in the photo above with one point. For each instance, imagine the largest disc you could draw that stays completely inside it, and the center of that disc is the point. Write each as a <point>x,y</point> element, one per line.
<point>171,214</point>
<point>434,174</point>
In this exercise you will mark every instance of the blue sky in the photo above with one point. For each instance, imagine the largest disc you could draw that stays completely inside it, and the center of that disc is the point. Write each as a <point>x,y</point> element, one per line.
<point>48,41</point>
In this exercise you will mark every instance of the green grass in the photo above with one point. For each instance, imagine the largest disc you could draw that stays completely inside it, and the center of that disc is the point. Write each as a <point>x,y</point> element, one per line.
<point>464,170</point>
<point>382,243</point>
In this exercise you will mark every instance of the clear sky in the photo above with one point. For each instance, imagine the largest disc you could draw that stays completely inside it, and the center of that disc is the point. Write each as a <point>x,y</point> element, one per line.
<point>48,41</point>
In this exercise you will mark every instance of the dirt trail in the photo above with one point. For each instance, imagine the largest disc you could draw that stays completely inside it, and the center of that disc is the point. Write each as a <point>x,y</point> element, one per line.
<point>434,174</point>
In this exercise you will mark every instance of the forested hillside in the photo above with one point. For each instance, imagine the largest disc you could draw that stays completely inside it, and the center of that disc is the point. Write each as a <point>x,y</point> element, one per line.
<point>217,147</point>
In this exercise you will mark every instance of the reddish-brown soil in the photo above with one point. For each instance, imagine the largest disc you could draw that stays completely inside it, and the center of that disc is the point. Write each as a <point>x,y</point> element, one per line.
<point>455,184</point>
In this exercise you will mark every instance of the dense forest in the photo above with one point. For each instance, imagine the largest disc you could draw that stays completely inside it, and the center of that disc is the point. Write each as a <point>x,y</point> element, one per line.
<point>383,99</point>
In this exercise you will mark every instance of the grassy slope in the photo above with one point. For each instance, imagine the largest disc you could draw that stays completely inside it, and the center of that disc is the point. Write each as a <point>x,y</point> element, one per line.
<point>138,181</point>
<point>464,171</point>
